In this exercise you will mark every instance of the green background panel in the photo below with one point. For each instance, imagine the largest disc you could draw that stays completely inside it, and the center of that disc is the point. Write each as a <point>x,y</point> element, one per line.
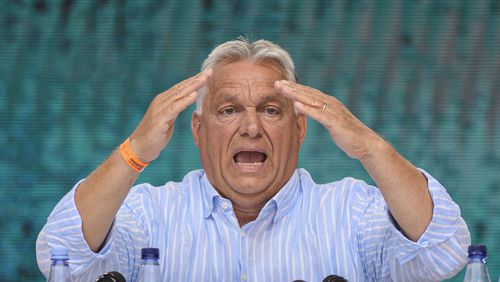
<point>77,76</point>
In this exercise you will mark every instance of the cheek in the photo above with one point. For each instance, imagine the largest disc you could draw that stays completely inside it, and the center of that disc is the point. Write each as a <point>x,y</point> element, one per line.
<point>218,137</point>
<point>282,136</point>
<point>283,128</point>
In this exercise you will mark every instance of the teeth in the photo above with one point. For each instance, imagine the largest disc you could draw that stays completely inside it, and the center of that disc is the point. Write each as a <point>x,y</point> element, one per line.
<point>250,164</point>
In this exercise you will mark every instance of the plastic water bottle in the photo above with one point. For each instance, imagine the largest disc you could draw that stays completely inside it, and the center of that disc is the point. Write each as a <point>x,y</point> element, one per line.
<point>150,268</point>
<point>476,269</point>
<point>59,269</point>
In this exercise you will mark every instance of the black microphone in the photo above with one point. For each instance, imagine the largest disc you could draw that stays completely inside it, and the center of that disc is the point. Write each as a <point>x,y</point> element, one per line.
<point>329,278</point>
<point>334,278</point>
<point>112,276</point>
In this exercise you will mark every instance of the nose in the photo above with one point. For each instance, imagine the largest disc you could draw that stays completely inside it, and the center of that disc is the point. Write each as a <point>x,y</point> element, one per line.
<point>250,124</point>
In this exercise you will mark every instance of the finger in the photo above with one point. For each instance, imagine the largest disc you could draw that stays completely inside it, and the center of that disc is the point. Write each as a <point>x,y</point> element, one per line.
<point>316,97</point>
<point>300,93</point>
<point>187,86</point>
<point>312,112</point>
<point>185,102</point>
<point>201,75</point>
<point>192,84</point>
<point>299,86</point>
<point>172,110</point>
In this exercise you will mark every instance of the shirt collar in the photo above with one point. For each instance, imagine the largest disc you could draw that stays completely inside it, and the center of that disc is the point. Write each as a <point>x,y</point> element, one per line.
<point>286,197</point>
<point>209,196</point>
<point>283,201</point>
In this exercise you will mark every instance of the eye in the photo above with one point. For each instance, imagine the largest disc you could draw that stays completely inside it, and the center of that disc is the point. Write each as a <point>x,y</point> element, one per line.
<point>227,111</point>
<point>272,111</point>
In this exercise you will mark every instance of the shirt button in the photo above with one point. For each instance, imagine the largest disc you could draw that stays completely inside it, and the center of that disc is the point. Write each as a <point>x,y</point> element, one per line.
<point>243,277</point>
<point>224,206</point>
<point>243,234</point>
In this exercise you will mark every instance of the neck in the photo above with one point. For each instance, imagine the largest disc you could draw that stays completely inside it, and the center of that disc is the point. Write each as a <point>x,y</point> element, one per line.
<point>246,208</point>
<point>245,216</point>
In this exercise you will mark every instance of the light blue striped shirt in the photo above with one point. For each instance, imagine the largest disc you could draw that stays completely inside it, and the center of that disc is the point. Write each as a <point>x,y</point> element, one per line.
<point>306,231</point>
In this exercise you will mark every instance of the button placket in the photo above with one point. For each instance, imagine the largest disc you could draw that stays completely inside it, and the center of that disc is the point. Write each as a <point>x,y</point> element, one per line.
<point>243,255</point>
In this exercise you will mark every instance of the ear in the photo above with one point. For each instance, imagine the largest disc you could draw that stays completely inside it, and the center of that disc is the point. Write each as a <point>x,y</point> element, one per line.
<point>302,127</point>
<point>195,128</point>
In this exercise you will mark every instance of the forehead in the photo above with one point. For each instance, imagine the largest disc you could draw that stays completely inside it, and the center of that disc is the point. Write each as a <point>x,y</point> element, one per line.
<point>244,77</point>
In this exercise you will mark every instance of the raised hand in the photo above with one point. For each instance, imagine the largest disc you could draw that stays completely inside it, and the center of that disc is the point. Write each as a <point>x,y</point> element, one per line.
<point>155,129</point>
<point>404,188</point>
<point>349,133</point>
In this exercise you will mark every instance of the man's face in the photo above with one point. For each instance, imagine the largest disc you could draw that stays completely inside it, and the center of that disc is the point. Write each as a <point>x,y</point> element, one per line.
<point>248,134</point>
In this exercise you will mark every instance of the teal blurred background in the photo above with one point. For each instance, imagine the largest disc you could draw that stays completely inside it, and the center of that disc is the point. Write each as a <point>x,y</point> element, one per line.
<point>77,76</point>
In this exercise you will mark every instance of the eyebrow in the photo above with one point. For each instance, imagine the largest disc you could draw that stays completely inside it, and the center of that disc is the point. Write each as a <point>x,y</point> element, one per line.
<point>226,98</point>
<point>274,98</point>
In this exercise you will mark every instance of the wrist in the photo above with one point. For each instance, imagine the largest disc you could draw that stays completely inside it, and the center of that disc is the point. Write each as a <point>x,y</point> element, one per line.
<point>377,149</point>
<point>137,150</point>
<point>130,157</point>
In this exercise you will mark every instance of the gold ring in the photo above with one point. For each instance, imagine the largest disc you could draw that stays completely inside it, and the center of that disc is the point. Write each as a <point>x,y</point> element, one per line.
<point>324,107</point>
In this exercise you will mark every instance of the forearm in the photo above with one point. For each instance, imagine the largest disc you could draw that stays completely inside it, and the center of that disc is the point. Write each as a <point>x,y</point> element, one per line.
<point>99,197</point>
<point>403,186</point>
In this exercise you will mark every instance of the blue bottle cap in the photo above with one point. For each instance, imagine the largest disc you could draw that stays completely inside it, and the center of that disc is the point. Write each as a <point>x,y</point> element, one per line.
<point>59,253</point>
<point>477,250</point>
<point>150,253</point>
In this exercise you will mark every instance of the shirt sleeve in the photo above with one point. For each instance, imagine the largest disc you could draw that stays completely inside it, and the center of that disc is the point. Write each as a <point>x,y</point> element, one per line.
<point>120,251</point>
<point>389,256</point>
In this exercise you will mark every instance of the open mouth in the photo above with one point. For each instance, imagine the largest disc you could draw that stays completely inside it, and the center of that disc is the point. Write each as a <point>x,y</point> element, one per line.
<point>250,158</point>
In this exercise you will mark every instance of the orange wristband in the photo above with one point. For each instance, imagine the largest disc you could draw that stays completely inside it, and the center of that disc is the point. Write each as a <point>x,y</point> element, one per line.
<point>130,157</point>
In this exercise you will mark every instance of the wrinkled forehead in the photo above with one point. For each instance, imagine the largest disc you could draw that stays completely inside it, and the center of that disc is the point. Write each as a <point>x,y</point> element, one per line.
<point>245,91</point>
<point>242,85</point>
<point>243,78</point>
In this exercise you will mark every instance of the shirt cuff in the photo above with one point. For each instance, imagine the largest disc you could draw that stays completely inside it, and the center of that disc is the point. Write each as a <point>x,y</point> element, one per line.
<point>65,229</point>
<point>443,226</point>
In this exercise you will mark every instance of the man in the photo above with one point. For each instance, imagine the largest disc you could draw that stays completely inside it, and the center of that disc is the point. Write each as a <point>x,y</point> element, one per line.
<point>250,214</point>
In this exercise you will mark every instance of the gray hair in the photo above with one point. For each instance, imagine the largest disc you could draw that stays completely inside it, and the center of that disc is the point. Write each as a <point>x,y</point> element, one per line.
<point>246,49</point>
